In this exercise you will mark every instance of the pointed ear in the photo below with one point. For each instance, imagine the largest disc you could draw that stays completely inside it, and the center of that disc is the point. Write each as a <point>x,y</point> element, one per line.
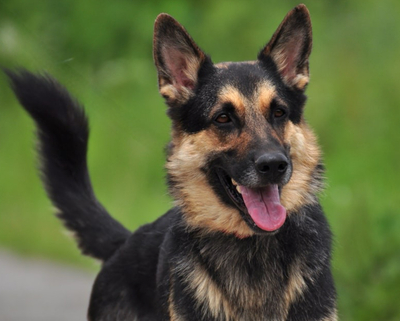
<point>178,60</point>
<point>290,47</point>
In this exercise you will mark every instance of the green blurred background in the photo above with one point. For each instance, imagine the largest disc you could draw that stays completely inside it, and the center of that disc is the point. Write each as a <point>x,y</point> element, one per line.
<point>102,51</point>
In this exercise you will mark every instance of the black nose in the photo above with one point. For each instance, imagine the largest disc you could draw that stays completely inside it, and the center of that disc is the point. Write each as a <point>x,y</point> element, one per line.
<point>274,164</point>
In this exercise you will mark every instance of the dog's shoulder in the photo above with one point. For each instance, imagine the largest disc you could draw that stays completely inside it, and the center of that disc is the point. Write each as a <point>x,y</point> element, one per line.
<point>127,283</point>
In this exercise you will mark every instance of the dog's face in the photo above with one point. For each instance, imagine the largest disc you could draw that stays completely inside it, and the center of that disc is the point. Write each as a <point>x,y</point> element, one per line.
<point>241,157</point>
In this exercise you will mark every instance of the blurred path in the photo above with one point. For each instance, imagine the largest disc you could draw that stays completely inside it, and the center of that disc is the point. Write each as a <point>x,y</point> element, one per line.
<point>34,290</point>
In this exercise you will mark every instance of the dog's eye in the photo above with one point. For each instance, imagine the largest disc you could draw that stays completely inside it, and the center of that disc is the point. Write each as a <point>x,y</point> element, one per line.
<point>278,113</point>
<point>223,119</point>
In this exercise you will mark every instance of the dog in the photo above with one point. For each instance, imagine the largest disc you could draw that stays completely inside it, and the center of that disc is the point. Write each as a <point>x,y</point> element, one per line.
<point>247,239</point>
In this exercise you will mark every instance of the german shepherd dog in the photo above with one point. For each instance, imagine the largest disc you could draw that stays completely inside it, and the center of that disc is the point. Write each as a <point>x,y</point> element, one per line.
<point>246,239</point>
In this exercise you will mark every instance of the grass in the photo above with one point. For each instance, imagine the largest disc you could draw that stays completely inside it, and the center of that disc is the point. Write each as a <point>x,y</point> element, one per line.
<point>104,57</point>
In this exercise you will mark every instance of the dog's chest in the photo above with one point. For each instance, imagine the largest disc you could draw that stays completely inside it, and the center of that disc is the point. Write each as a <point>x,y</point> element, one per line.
<point>237,285</point>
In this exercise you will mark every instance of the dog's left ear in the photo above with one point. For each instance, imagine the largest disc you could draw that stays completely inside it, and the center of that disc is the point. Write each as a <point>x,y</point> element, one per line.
<point>178,60</point>
<point>290,47</point>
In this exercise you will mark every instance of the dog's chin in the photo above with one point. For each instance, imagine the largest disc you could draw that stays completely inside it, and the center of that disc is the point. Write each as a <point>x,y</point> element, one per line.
<point>233,190</point>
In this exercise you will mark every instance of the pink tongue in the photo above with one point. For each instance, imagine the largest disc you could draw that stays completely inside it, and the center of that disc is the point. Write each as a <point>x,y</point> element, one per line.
<point>264,206</point>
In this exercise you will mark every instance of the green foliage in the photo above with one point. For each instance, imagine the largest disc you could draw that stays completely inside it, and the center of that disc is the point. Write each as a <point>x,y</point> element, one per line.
<point>101,50</point>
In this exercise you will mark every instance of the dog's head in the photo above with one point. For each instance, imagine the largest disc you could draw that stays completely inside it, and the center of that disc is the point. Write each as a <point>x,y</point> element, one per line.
<point>241,157</point>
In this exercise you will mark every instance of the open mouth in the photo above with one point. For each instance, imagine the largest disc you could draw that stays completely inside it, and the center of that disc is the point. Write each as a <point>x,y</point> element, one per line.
<point>260,206</point>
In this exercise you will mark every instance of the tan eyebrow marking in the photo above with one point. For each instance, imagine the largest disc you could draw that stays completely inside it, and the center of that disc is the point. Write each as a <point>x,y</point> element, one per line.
<point>231,95</point>
<point>265,94</point>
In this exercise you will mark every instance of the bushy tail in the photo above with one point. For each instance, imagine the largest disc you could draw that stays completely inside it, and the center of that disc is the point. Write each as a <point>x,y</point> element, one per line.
<point>62,130</point>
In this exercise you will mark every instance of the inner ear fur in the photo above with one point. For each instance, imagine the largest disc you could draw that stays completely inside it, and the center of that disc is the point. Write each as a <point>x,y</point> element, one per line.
<point>178,59</point>
<point>290,47</point>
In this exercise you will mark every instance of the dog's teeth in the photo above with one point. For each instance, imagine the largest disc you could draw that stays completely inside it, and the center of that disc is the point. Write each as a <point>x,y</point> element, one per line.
<point>234,182</point>
<point>238,189</point>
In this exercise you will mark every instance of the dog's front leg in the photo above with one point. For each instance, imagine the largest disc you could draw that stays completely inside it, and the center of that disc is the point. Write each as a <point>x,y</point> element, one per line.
<point>318,301</point>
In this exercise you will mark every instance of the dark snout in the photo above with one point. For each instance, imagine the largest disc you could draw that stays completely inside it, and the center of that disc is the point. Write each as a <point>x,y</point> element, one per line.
<point>272,166</point>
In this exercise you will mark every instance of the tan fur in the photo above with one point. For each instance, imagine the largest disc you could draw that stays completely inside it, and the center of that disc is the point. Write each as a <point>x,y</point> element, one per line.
<point>264,96</point>
<point>305,156</point>
<point>192,67</point>
<point>190,153</point>
<point>208,293</point>
<point>252,110</point>
<point>242,142</point>
<point>280,57</point>
<point>201,206</point>
<point>173,316</point>
<point>230,94</point>
<point>168,87</point>
<point>223,65</point>
<point>301,81</point>
<point>332,317</point>
<point>226,64</point>
<point>223,303</point>
<point>168,91</point>
<point>258,109</point>
<point>296,284</point>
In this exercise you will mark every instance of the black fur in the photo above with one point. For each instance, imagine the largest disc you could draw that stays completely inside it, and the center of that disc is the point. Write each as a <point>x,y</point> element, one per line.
<point>62,129</point>
<point>169,269</point>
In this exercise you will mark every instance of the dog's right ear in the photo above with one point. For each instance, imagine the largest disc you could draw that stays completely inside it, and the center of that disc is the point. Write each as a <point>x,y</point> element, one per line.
<point>178,60</point>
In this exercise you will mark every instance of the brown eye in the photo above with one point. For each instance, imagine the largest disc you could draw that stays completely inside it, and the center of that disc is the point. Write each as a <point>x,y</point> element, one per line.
<point>279,113</point>
<point>223,119</point>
